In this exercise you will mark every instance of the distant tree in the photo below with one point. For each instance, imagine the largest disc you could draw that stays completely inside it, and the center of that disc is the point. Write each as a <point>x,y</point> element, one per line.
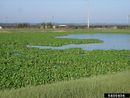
<point>49,25</point>
<point>23,25</point>
<point>46,25</point>
<point>43,25</point>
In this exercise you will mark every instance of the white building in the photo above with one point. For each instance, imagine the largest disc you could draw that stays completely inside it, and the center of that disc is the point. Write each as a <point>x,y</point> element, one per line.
<point>54,27</point>
<point>62,26</point>
<point>0,27</point>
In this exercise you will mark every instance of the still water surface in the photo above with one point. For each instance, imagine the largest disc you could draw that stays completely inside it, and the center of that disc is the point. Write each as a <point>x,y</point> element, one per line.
<point>111,41</point>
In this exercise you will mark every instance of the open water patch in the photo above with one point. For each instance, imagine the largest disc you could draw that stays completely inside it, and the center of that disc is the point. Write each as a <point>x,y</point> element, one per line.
<point>111,41</point>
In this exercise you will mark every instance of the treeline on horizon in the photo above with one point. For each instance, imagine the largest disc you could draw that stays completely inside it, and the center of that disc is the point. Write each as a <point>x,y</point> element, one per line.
<point>46,25</point>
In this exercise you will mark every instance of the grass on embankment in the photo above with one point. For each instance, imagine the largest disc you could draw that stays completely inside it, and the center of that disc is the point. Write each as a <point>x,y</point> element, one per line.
<point>83,88</point>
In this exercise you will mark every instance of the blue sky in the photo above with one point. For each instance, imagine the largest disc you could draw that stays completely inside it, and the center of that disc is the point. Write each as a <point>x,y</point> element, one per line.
<point>64,11</point>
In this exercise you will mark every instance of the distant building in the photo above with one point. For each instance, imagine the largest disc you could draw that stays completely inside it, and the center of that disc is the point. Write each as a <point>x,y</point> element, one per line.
<point>54,27</point>
<point>62,26</point>
<point>0,27</point>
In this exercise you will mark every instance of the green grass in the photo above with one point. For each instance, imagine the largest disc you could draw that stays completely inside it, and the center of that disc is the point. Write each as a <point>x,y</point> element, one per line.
<point>83,88</point>
<point>39,38</point>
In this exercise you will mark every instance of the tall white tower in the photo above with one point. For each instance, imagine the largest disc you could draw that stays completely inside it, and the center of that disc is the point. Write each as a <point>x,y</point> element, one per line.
<point>88,23</point>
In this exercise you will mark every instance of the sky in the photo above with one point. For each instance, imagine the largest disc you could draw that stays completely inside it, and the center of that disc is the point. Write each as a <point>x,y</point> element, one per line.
<point>64,11</point>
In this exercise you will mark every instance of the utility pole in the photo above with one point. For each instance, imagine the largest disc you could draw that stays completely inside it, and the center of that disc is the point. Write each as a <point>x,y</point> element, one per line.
<point>88,23</point>
<point>128,20</point>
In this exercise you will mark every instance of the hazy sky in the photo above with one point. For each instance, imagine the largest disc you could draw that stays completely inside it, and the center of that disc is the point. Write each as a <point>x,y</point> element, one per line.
<point>64,11</point>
